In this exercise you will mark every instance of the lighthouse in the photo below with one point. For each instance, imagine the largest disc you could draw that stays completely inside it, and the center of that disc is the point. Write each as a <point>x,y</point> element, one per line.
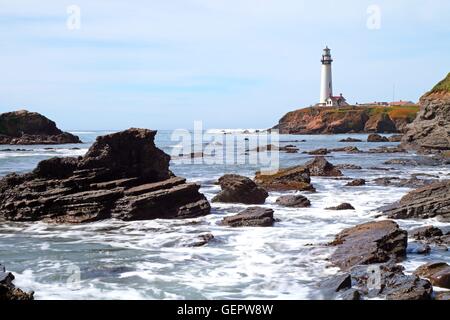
<point>326,85</point>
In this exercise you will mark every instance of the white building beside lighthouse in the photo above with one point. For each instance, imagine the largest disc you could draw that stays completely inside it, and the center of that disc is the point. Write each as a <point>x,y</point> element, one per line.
<point>326,83</point>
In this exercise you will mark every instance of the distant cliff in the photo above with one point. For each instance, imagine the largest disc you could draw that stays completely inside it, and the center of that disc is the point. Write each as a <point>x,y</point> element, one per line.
<point>24,127</point>
<point>349,119</point>
<point>430,131</point>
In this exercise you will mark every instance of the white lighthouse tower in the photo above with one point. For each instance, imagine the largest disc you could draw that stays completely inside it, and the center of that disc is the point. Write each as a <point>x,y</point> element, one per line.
<point>326,85</point>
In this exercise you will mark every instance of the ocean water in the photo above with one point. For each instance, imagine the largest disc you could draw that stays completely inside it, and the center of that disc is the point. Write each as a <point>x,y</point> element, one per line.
<point>153,260</point>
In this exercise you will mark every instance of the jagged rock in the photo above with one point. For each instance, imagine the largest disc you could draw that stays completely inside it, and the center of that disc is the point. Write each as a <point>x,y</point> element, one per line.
<point>251,217</point>
<point>430,201</point>
<point>367,243</point>
<point>239,189</point>
<point>8,290</point>
<point>319,166</point>
<point>347,166</point>
<point>426,232</point>
<point>342,206</point>
<point>123,175</point>
<point>437,272</point>
<point>430,131</point>
<point>24,127</point>
<point>356,183</point>
<point>349,139</point>
<point>294,201</point>
<point>376,138</point>
<point>293,178</point>
<point>387,281</point>
<point>335,283</point>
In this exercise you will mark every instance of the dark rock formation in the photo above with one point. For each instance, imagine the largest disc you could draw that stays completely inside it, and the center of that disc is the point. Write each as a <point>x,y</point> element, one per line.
<point>430,131</point>
<point>123,175</point>
<point>426,232</point>
<point>294,201</point>
<point>367,243</point>
<point>202,240</point>
<point>23,127</point>
<point>321,151</point>
<point>374,137</point>
<point>430,201</point>
<point>342,206</point>
<point>239,189</point>
<point>294,178</point>
<point>349,139</point>
<point>319,166</point>
<point>387,281</point>
<point>8,290</point>
<point>356,183</point>
<point>251,217</point>
<point>412,182</point>
<point>437,272</point>
<point>384,149</point>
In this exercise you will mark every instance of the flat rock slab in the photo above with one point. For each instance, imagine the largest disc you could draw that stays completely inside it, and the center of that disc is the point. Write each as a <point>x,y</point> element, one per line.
<point>251,217</point>
<point>293,201</point>
<point>437,272</point>
<point>430,201</point>
<point>293,178</point>
<point>367,243</point>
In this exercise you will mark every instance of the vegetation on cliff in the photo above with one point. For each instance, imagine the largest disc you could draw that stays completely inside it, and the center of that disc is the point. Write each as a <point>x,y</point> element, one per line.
<point>442,86</point>
<point>317,120</point>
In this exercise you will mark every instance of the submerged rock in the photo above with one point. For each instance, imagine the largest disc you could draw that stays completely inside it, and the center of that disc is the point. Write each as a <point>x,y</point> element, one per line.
<point>430,201</point>
<point>123,175</point>
<point>251,217</point>
<point>293,178</point>
<point>342,206</point>
<point>349,139</point>
<point>239,189</point>
<point>437,272</point>
<point>294,201</point>
<point>367,243</point>
<point>24,127</point>
<point>8,290</point>
<point>374,137</point>
<point>356,183</point>
<point>319,166</point>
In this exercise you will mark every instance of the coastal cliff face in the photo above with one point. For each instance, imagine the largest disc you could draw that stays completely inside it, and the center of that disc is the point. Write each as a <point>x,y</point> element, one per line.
<point>430,131</point>
<point>350,119</point>
<point>24,127</point>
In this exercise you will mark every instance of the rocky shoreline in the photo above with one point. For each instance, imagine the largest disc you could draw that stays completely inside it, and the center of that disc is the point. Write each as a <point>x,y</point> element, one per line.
<point>124,176</point>
<point>26,128</point>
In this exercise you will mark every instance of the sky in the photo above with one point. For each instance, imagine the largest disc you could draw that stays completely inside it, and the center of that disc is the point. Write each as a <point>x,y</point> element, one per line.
<point>229,63</point>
